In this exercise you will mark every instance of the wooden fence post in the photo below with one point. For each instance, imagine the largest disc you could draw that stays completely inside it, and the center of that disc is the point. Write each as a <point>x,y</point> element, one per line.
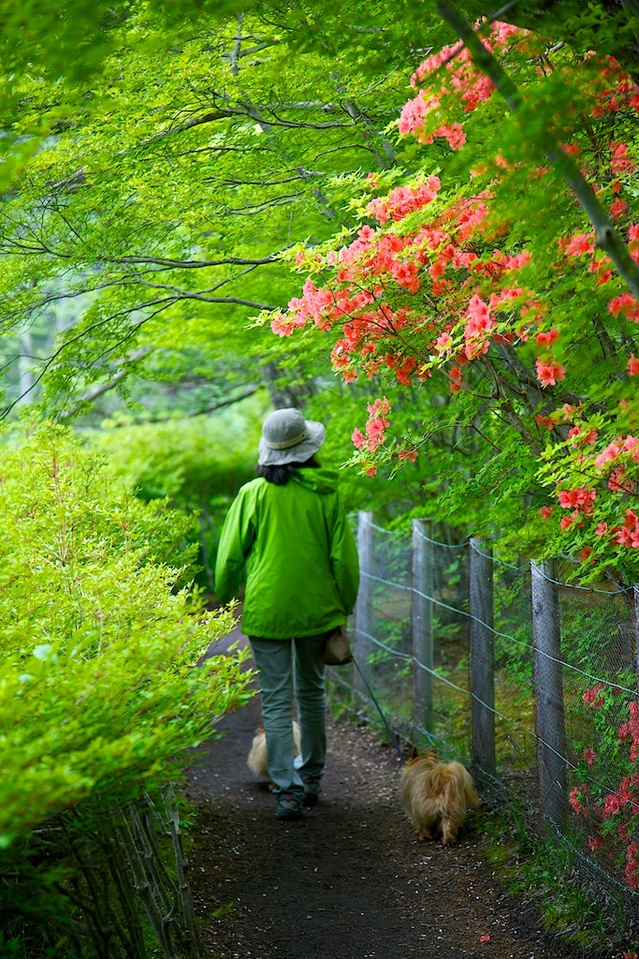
<point>364,605</point>
<point>551,733</point>
<point>482,659</point>
<point>422,624</point>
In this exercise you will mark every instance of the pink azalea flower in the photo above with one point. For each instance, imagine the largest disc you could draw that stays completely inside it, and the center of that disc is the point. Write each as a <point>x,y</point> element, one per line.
<point>443,343</point>
<point>579,499</point>
<point>358,439</point>
<point>545,339</point>
<point>516,262</point>
<point>282,325</point>
<point>575,800</point>
<point>581,244</point>
<point>593,696</point>
<point>617,208</point>
<point>620,162</point>
<point>610,453</point>
<point>612,805</point>
<point>626,305</point>
<point>549,372</point>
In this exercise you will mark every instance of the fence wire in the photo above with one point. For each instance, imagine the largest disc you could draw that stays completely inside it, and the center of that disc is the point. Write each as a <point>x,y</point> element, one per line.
<point>598,663</point>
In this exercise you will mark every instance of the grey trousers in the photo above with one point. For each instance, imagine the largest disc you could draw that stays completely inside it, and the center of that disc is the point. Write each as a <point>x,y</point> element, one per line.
<point>288,669</point>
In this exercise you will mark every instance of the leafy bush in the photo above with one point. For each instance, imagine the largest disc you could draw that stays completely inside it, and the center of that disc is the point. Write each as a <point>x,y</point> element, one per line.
<point>605,796</point>
<point>103,688</point>
<point>198,465</point>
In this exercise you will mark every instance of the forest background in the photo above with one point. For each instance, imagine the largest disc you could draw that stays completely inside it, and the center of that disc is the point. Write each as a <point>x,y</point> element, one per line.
<point>212,209</point>
<point>158,206</point>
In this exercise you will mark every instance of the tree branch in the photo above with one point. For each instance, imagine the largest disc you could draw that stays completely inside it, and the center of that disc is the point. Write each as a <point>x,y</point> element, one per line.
<point>203,297</point>
<point>235,56</point>
<point>100,388</point>
<point>197,264</point>
<point>306,124</point>
<point>300,175</point>
<point>267,205</point>
<point>204,411</point>
<point>607,237</point>
<point>369,131</point>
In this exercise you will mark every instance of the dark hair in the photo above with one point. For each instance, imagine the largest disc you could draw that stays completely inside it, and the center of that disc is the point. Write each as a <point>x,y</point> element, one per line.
<point>281,473</point>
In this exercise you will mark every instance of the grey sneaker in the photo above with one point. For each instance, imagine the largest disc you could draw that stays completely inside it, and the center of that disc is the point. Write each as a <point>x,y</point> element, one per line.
<point>311,790</point>
<point>289,806</point>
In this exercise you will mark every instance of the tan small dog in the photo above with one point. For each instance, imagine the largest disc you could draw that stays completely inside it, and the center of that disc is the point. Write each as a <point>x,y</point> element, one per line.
<point>436,796</point>
<point>257,761</point>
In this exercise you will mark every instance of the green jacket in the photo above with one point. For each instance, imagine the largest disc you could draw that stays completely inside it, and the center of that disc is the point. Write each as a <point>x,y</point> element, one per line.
<point>302,569</point>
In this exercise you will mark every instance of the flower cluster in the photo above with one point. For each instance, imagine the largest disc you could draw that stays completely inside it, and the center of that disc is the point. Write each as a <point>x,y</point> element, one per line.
<point>376,426</point>
<point>404,200</point>
<point>441,283</point>
<point>580,501</point>
<point>375,430</point>
<point>611,813</point>
<point>421,116</point>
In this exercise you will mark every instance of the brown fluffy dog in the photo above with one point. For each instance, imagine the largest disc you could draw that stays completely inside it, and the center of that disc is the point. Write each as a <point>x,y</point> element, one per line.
<point>436,796</point>
<point>257,762</point>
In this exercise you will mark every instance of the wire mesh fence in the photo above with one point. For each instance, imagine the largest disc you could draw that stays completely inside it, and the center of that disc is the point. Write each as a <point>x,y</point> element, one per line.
<point>529,680</point>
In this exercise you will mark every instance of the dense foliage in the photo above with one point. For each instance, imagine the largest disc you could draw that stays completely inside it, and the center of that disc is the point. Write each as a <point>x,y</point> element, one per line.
<point>193,464</point>
<point>184,163</point>
<point>151,218</point>
<point>466,329</point>
<point>516,324</point>
<point>102,697</point>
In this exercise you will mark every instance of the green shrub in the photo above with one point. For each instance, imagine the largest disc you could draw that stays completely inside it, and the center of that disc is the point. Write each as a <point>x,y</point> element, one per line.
<point>103,691</point>
<point>197,464</point>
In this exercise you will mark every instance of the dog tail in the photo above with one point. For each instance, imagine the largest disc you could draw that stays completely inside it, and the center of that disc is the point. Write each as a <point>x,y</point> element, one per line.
<point>472,799</point>
<point>457,794</point>
<point>448,784</point>
<point>466,785</point>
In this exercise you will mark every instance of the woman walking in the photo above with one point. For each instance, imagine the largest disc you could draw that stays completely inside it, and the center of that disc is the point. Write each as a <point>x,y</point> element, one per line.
<point>288,534</point>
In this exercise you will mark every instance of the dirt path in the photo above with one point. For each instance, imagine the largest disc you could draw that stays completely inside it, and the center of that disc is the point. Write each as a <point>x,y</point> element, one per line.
<point>350,880</point>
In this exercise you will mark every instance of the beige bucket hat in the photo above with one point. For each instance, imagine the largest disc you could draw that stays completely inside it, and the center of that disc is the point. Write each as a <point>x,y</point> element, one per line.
<point>288,438</point>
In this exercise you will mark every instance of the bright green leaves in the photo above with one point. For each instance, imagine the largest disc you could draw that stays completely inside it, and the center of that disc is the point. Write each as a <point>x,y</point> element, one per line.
<point>157,210</point>
<point>499,292</point>
<point>100,689</point>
